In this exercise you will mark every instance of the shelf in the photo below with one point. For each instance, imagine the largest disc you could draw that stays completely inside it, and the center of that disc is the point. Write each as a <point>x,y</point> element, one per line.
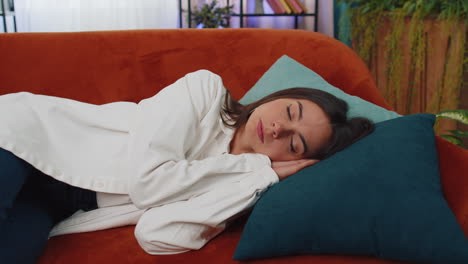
<point>241,14</point>
<point>10,12</point>
<point>294,15</point>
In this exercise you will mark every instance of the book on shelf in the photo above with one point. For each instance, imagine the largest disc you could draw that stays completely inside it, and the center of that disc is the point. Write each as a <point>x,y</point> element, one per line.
<point>304,10</point>
<point>276,6</point>
<point>286,6</point>
<point>295,7</point>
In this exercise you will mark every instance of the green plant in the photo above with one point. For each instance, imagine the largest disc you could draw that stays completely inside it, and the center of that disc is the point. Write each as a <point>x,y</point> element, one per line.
<point>452,9</point>
<point>406,18</point>
<point>456,135</point>
<point>212,16</point>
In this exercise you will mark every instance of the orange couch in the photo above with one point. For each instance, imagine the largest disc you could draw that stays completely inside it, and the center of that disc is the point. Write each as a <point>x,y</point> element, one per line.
<point>102,67</point>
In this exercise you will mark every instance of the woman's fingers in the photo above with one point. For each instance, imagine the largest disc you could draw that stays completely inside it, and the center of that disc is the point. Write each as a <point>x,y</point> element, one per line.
<point>306,162</point>
<point>309,162</point>
<point>302,164</point>
<point>286,168</point>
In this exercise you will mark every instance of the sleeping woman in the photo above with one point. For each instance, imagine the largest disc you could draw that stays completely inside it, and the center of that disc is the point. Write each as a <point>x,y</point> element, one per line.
<point>179,164</point>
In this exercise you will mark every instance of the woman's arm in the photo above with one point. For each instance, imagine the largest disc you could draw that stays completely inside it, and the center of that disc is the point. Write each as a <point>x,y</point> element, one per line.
<point>166,128</point>
<point>188,225</point>
<point>181,180</point>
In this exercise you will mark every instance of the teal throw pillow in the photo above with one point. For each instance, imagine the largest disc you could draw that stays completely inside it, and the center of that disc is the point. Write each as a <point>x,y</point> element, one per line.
<point>288,73</point>
<point>381,197</point>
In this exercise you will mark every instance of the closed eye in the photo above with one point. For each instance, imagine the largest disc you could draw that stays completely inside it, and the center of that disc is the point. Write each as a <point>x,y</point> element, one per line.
<point>291,146</point>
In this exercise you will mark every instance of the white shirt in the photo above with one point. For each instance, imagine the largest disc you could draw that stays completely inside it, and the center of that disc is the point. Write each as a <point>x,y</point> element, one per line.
<point>168,153</point>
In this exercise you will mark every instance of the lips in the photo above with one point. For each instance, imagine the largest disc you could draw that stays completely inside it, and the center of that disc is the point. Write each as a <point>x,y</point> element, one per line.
<point>260,130</point>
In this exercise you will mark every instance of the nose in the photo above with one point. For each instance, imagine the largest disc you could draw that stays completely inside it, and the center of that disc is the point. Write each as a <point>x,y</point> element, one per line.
<point>280,130</point>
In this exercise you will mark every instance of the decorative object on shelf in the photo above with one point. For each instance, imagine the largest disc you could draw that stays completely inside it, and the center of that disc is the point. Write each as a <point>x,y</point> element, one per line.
<point>456,136</point>
<point>212,16</point>
<point>415,50</point>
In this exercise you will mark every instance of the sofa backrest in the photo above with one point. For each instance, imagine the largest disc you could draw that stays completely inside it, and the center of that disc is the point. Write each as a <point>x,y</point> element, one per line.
<point>101,67</point>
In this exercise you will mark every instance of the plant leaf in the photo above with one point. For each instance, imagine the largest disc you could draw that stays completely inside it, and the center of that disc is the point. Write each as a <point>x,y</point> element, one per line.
<point>459,115</point>
<point>458,133</point>
<point>453,140</point>
<point>365,9</point>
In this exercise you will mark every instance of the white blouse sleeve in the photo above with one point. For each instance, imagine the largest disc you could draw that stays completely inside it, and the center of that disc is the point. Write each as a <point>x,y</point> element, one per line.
<point>165,128</point>
<point>189,225</point>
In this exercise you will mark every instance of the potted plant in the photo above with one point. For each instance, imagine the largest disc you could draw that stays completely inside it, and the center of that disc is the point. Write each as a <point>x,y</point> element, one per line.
<point>212,16</point>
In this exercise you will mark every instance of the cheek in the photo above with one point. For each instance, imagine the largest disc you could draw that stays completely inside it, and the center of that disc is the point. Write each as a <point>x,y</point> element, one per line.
<point>277,151</point>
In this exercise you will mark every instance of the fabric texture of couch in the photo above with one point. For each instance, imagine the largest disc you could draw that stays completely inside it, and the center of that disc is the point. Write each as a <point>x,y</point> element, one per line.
<point>103,67</point>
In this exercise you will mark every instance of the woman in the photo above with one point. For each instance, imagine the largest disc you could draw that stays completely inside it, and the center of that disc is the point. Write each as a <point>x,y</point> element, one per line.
<point>179,165</point>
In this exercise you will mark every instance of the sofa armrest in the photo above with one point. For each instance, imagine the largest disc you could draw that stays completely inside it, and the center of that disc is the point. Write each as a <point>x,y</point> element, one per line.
<point>453,169</point>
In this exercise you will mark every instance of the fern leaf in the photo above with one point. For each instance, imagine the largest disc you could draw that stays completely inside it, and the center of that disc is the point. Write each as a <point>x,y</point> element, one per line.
<point>458,133</point>
<point>454,140</point>
<point>459,115</point>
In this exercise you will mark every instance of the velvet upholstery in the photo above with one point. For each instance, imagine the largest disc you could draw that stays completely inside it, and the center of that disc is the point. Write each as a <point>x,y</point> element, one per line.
<point>381,196</point>
<point>102,67</point>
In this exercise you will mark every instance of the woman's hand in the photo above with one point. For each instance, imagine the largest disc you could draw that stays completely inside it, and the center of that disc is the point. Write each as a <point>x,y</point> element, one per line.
<point>286,168</point>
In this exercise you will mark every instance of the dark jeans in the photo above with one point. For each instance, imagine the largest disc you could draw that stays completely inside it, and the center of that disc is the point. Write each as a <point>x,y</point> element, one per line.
<point>31,203</point>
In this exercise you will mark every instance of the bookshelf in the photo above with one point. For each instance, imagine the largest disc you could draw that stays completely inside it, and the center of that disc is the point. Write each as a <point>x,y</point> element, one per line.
<point>6,11</point>
<point>243,15</point>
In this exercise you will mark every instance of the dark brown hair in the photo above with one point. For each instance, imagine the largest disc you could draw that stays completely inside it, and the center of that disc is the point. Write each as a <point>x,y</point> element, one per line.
<point>344,131</point>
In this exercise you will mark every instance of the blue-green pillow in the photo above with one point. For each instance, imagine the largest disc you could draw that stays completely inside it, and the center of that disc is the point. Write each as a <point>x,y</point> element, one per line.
<point>287,73</point>
<point>381,197</point>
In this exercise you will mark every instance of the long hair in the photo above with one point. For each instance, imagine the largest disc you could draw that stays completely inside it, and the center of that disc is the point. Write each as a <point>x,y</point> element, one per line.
<point>344,131</point>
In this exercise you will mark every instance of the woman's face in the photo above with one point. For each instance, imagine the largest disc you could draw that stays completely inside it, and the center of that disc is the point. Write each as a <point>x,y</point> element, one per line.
<point>286,129</point>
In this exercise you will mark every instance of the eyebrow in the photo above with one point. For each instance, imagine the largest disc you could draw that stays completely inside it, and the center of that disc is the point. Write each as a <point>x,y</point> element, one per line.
<point>306,148</point>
